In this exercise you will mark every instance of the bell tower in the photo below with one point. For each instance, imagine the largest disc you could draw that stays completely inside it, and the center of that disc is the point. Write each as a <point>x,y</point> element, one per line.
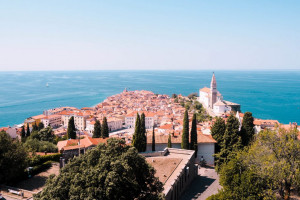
<point>213,91</point>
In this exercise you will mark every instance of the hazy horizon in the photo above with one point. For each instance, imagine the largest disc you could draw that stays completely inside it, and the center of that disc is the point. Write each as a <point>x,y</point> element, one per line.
<point>149,35</point>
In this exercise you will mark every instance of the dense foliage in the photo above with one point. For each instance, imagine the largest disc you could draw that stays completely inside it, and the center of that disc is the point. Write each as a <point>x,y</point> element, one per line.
<point>109,171</point>
<point>35,145</point>
<point>185,131</point>
<point>269,166</point>
<point>13,159</point>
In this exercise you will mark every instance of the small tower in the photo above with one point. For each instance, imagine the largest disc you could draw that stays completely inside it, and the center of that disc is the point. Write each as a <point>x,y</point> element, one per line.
<point>213,91</point>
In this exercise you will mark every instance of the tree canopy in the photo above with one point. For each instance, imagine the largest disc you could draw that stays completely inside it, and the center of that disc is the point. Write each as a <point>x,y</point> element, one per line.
<point>109,171</point>
<point>218,131</point>
<point>269,166</point>
<point>13,159</point>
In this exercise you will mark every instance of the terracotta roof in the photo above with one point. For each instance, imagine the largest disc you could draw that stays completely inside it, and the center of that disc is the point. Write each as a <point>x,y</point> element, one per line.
<point>205,89</point>
<point>166,126</point>
<point>85,142</point>
<point>265,122</point>
<point>39,116</point>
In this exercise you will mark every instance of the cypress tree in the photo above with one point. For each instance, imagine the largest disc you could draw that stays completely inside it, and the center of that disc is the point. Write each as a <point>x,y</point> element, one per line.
<point>105,130</point>
<point>41,126</point>
<point>247,130</point>
<point>137,139</point>
<point>194,136</point>
<point>169,141</point>
<point>143,132</point>
<point>153,140</point>
<point>71,131</point>
<point>28,131</point>
<point>97,129</point>
<point>23,134</point>
<point>218,131</point>
<point>185,131</point>
<point>34,127</point>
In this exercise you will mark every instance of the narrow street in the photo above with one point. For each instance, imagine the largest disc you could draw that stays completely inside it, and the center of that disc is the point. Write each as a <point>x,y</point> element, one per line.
<point>204,185</point>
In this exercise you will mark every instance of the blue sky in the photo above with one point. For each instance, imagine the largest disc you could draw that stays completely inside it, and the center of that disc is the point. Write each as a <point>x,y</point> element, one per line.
<point>143,34</point>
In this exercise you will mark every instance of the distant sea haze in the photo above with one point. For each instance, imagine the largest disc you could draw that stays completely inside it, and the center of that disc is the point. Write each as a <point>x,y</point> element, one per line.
<point>267,94</point>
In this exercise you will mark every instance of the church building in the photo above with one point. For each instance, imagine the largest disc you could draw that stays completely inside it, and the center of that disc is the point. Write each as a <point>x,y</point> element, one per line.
<point>212,99</point>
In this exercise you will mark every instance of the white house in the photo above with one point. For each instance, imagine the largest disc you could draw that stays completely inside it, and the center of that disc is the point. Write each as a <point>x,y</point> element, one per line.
<point>131,118</point>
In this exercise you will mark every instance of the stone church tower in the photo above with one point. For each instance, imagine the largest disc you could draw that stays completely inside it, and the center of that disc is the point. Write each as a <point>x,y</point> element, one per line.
<point>213,91</point>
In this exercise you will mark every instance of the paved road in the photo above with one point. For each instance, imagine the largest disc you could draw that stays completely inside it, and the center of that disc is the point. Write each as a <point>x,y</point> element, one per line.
<point>204,185</point>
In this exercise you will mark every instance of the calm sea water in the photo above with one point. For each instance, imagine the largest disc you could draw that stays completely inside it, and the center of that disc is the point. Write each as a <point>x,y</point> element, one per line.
<point>267,94</point>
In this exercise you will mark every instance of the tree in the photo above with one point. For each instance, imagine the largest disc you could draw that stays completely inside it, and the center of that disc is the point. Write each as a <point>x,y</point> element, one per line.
<point>137,137</point>
<point>13,159</point>
<point>71,131</point>
<point>218,131</point>
<point>109,171</point>
<point>231,140</point>
<point>40,126</point>
<point>34,127</point>
<point>239,181</point>
<point>169,141</point>
<point>276,156</point>
<point>104,128</point>
<point>23,134</point>
<point>97,129</point>
<point>153,140</point>
<point>247,130</point>
<point>45,134</point>
<point>27,131</point>
<point>36,145</point>
<point>174,96</point>
<point>194,137</point>
<point>267,167</point>
<point>185,131</point>
<point>143,132</point>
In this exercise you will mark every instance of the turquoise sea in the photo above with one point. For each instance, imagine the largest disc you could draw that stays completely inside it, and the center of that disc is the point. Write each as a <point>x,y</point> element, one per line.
<point>267,94</point>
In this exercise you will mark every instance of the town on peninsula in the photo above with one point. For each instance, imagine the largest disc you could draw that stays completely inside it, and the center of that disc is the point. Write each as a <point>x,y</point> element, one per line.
<point>177,135</point>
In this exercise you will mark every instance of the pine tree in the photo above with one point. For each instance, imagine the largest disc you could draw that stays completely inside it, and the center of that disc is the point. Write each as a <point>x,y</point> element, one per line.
<point>143,132</point>
<point>97,129</point>
<point>218,131</point>
<point>247,130</point>
<point>23,134</point>
<point>137,139</point>
<point>231,140</point>
<point>185,131</point>
<point>40,126</point>
<point>105,129</point>
<point>169,141</point>
<point>71,131</point>
<point>194,137</point>
<point>153,140</point>
<point>28,131</point>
